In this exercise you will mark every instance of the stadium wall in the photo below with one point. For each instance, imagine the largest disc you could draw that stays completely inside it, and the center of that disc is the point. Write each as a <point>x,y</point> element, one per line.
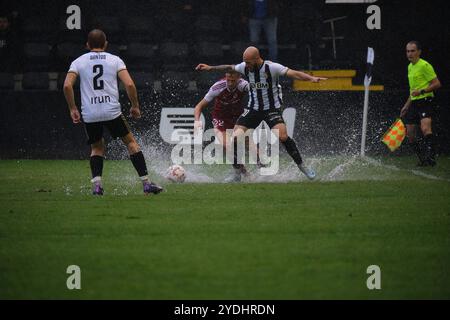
<point>37,125</point>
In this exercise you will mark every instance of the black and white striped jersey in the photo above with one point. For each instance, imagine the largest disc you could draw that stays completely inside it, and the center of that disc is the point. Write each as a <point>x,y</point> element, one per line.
<point>264,90</point>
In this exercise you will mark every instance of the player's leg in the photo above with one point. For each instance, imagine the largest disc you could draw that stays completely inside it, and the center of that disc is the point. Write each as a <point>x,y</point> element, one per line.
<point>119,127</point>
<point>222,137</point>
<point>414,144</point>
<point>254,149</point>
<point>136,156</point>
<point>138,161</point>
<point>238,133</point>
<point>238,168</point>
<point>292,149</point>
<point>427,112</point>
<point>220,128</point>
<point>239,130</point>
<point>411,132</point>
<point>94,132</point>
<point>249,119</point>
<point>429,148</point>
<point>224,131</point>
<point>96,164</point>
<point>411,120</point>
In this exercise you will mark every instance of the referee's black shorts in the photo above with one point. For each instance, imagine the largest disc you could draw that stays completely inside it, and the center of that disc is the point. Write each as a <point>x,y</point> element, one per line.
<point>251,118</point>
<point>420,109</point>
<point>117,127</point>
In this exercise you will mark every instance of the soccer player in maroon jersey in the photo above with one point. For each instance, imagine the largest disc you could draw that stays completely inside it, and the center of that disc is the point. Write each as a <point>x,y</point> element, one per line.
<point>228,95</point>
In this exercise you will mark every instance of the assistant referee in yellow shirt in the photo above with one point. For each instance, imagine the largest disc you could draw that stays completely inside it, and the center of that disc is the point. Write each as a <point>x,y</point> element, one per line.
<point>419,109</point>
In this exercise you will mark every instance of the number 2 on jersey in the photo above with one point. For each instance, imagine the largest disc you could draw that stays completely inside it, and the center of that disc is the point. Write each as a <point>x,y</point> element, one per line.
<point>98,71</point>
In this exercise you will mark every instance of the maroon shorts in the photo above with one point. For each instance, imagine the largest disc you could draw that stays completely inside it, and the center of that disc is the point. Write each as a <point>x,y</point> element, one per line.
<point>222,124</point>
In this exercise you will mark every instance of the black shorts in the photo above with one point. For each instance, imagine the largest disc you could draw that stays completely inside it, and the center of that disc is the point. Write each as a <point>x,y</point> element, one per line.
<point>252,118</point>
<point>420,109</point>
<point>117,127</point>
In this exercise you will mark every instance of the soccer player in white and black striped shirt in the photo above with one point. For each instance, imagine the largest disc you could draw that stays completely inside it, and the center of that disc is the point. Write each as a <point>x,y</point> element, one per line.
<point>265,100</point>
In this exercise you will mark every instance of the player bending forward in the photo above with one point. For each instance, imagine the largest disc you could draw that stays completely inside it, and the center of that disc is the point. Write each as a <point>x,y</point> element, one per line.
<point>100,107</point>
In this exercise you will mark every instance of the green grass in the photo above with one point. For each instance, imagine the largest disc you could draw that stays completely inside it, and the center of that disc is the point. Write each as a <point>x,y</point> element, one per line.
<point>298,240</point>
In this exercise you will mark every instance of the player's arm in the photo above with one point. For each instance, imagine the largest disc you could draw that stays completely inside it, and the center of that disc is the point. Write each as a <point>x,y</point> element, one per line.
<point>197,113</point>
<point>131,90</point>
<point>69,82</point>
<point>298,75</point>
<point>433,86</point>
<point>198,109</point>
<point>405,107</point>
<point>224,67</point>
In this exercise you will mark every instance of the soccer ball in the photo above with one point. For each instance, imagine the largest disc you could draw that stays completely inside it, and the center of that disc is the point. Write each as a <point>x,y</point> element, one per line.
<point>176,173</point>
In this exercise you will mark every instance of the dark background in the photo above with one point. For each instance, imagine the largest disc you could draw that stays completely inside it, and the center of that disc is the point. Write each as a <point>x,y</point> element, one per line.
<point>163,41</point>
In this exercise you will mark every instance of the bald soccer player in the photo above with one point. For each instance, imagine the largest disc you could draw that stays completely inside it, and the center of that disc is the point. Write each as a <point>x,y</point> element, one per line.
<point>265,101</point>
<point>100,107</point>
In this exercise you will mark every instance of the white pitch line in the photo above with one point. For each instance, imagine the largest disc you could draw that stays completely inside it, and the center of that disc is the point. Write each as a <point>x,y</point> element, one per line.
<point>429,176</point>
<point>414,172</point>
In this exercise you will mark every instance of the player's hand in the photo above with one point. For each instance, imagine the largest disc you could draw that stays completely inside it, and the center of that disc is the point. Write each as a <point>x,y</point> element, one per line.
<point>198,125</point>
<point>135,112</point>
<point>318,79</point>
<point>415,93</point>
<point>202,67</point>
<point>75,115</point>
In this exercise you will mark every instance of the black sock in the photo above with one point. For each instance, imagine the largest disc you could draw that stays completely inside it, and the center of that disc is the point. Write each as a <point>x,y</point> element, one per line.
<point>96,163</point>
<point>258,158</point>
<point>224,154</point>
<point>415,146</point>
<point>139,163</point>
<point>429,147</point>
<point>291,148</point>
<point>235,154</point>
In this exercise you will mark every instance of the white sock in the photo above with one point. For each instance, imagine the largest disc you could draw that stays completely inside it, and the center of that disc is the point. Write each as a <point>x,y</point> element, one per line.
<point>97,179</point>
